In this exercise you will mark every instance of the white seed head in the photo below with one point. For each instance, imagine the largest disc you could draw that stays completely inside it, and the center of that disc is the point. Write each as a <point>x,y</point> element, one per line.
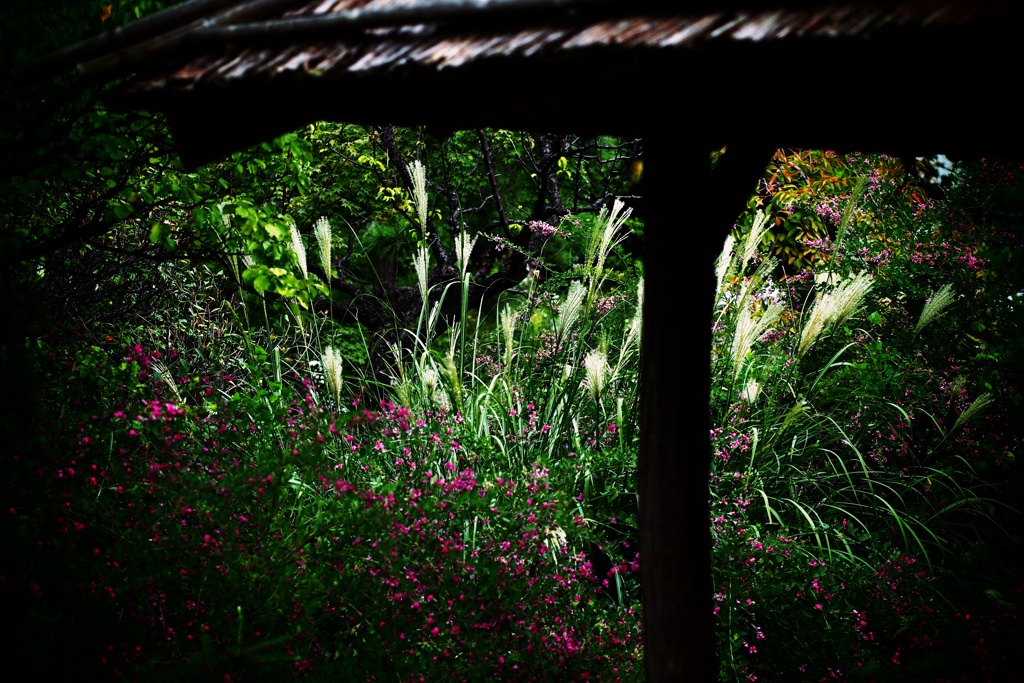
<point>556,538</point>
<point>419,187</point>
<point>463,249</point>
<point>421,262</point>
<point>751,391</point>
<point>753,238</point>
<point>453,339</point>
<point>161,371</point>
<point>973,410</point>
<point>935,307</point>
<point>596,365</point>
<point>508,330</point>
<point>300,250</point>
<point>834,308</point>
<point>611,232</point>
<point>332,372</point>
<point>322,230</point>
<point>748,329</point>
<point>571,307</point>
<point>723,263</point>
<point>632,340</point>
<point>850,297</point>
<point>430,380</point>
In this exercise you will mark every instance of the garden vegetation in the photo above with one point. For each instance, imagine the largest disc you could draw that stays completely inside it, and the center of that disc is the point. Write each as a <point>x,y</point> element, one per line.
<point>361,403</point>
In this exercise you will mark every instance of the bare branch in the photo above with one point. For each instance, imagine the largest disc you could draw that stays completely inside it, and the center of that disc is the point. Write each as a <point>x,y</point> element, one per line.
<point>494,182</point>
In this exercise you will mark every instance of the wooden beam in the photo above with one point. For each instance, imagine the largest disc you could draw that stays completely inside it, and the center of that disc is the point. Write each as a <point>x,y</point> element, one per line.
<point>689,209</point>
<point>123,36</point>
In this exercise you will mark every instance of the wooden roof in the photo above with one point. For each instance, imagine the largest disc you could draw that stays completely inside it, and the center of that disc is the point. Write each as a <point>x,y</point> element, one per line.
<point>807,72</point>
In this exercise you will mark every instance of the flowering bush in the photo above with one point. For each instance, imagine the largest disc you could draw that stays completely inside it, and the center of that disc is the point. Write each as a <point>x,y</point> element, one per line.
<point>245,540</point>
<point>233,511</point>
<point>853,452</point>
<point>248,523</point>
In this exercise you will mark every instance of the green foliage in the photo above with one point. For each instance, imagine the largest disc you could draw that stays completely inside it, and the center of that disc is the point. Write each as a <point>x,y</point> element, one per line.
<point>848,438</point>
<point>196,495</point>
<point>228,516</point>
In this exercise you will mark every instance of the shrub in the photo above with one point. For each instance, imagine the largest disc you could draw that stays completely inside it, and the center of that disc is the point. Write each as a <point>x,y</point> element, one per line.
<point>222,512</point>
<point>847,483</point>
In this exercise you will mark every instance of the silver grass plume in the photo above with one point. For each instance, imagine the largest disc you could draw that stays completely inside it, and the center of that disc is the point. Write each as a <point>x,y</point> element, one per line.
<point>970,412</point>
<point>817,320</point>
<point>435,312</point>
<point>850,297</point>
<point>571,307</point>
<point>749,329</point>
<point>421,262</point>
<point>453,339</point>
<point>300,250</point>
<point>431,381</point>
<point>723,263</point>
<point>596,366</point>
<point>322,231</point>
<point>419,189</point>
<point>753,238</point>
<point>508,330</point>
<point>556,538</point>
<point>610,236</point>
<point>754,282</point>
<point>764,271</point>
<point>629,344</point>
<point>463,249</point>
<point>428,376</point>
<point>834,308</point>
<point>935,307</point>
<point>161,371</point>
<point>633,332</point>
<point>332,372</point>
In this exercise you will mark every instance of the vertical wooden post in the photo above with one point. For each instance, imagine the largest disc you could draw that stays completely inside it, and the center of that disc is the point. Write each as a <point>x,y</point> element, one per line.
<point>689,209</point>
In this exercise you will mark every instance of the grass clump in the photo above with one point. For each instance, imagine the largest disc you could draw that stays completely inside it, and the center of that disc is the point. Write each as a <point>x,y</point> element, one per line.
<point>269,519</point>
<point>843,497</point>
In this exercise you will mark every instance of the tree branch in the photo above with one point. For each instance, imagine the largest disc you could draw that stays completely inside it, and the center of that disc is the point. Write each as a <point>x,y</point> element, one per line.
<point>494,182</point>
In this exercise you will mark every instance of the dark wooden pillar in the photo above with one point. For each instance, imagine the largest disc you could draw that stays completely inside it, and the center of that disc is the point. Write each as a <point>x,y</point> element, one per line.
<point>689,209</point>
